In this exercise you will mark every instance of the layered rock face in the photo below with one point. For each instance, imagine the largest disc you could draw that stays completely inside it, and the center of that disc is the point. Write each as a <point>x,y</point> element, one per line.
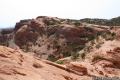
<point>53,38</point>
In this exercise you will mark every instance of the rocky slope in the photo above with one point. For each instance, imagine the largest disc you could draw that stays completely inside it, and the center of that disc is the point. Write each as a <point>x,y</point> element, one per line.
<point>51,38</point>
<point>99,61</point>
<point>83,50</point>
<point>16,65</point>
<point>54,38</point>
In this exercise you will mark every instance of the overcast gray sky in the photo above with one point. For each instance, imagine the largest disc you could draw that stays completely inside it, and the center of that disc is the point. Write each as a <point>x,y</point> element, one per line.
<point>11,11</point>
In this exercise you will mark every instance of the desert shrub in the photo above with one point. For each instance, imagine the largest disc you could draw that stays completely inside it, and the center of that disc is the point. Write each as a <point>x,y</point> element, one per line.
<point>59,62</point>
<point>98,46</point>
<point>91,37</point>
<point>25,48</point>
<point>52,58</point>
<point>74,55</point>
<point>66,54</point>
<point>77,23</point>
<point>92,42</point>
<point>110,36</point>
<point>83,55</point>
<point>113,34</point>
<point>98,57</point>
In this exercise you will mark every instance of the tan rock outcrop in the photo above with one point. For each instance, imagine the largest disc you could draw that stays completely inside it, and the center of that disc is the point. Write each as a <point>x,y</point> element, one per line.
<point>16,65</point>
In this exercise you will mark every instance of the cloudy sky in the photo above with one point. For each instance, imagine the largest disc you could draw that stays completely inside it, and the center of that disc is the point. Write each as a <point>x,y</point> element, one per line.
<point>11,11</point>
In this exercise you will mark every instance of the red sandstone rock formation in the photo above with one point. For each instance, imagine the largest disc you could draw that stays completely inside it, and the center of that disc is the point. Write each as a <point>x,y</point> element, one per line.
<point>47,36</point>
<point>16,65</point>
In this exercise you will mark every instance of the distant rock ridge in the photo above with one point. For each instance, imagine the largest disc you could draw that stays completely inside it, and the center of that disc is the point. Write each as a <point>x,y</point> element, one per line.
<point>108,22</point>
<point>53,38</point>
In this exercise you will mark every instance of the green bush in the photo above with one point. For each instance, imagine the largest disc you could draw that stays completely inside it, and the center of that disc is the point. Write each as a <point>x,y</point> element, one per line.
<point>59,62</point>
